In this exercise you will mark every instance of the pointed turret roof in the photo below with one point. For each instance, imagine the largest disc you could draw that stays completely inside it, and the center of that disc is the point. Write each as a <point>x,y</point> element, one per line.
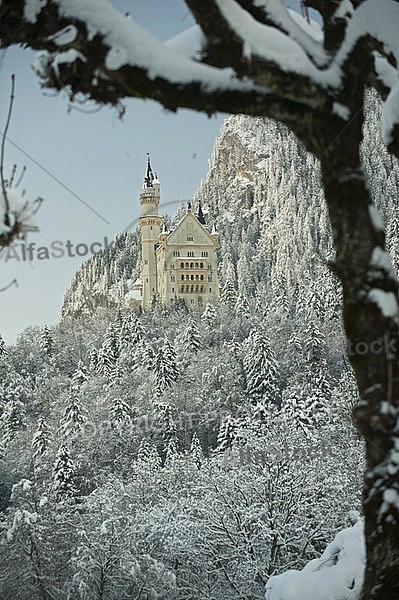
<point>200,215</point>
<point>149,175</point>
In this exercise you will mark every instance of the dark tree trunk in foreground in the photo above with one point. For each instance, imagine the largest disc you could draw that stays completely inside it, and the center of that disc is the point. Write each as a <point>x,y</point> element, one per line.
<point>373,352</point>
<point>314,87</point>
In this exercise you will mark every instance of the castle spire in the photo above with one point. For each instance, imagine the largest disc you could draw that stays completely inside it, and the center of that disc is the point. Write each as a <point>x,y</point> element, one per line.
<point>200,214</point>
<point>149,175</point>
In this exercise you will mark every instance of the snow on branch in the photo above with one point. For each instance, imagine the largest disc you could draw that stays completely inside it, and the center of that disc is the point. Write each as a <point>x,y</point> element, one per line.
<point>246,56</point>
<point>337,575</point>
<point>17,216</point>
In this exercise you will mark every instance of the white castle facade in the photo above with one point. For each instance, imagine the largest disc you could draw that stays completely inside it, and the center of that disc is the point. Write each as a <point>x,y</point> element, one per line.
<point>176,264</point>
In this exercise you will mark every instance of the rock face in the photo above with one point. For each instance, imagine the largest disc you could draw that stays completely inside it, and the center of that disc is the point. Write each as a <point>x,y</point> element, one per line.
<point>263,195</point>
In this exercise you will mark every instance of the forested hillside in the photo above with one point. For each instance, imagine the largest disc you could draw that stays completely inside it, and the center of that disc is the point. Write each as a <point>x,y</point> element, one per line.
<point>181,456</point>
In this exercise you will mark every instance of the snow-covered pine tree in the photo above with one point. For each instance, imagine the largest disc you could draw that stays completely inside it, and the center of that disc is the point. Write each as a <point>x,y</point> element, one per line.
<point>3,347</point>
<point>191,339</point>
<point>209,315</point>
<point>148,456</point>
<point>12,419</point>
<point>109,352</point>
<point>229,295</point>
<point>143,356</point>
<point>227,434</point>
<point>260,368</point>
<point>165,367</point>
<point>79,376</point>
<point>196,453</point>
<point>317,370</point>
<point>93,360</point>
<point>41,439</point>
<point>74,416</point>
<point>46,341</point>
<point>132,331</point>
<point>121,413</point>
<point>64,472</point>
<point>242,307</point>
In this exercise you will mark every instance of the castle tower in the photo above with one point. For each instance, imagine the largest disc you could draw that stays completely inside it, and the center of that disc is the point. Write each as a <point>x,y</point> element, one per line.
<point>150,225</point>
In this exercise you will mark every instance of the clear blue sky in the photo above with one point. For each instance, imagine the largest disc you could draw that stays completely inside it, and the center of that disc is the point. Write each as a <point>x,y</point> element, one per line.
<point>100,158</point>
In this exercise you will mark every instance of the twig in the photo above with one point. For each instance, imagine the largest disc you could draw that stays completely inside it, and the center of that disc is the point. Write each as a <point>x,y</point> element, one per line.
<point>3,183</point>
<point>13,282</point>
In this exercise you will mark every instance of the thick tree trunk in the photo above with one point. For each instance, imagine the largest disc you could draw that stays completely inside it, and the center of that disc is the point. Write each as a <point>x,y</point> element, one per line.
<point>370,321</point>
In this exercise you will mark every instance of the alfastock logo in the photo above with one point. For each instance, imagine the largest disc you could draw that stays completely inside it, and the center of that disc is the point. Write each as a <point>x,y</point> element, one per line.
<point>57,249</point>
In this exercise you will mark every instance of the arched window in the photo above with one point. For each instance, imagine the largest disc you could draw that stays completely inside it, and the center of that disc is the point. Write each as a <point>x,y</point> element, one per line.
<point>196,288</point>
<point>191,265</point>
<point>192,289</point>
<point>196,265</point>
<point>182,265</point>
<point>202,289</point>
<point>201,265</point>
<point>202,278</point>
<point>196,277</point>
<point>182,277</point>
<point>187,265</point>
<point>192,277</point>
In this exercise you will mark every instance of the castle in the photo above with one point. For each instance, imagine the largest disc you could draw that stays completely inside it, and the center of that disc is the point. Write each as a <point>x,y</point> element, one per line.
<point>176,264</point>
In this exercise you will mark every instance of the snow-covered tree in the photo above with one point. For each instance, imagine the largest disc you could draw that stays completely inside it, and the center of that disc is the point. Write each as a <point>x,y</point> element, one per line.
<point>191,340</point>
<point>229,295</point>
<point>64,472</point>
<point>165,366</point>
<point>41,439</point>
<point>79,377</point>
<point>74,416</point>
<point>260,369</point>
<point>13,419</point>
<point>121,413</point>
<point>3,347</point>
<point>46,341</point>
<point>209,315</point>
<point>196,451</point>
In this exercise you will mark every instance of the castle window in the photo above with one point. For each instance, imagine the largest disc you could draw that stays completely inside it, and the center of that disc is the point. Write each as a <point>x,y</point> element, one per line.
<point>210,290</point>
<point>173,289</point>
<point>187,277</point>
<point>172,278</point>
<point>187,265</point>
<point>204,254</point>
<point>192,301</point>
<point>196,265</point>
<point>146,262</point>
<point>202,278</point>
<point>202,289</point>
<point>191,265</point>
<point>209,277</point>
<point>209,267</point>
<point>182,265</point>
<point>187,288</point>
<point>182,289</point>
<point>192,277</point>
<point>196,288</point>
<point>201,265</point>
<point>192,289</point>
<point>182,277</point>
<point>190,238</point>
<point>196,277</point>
<point>176,253</point>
